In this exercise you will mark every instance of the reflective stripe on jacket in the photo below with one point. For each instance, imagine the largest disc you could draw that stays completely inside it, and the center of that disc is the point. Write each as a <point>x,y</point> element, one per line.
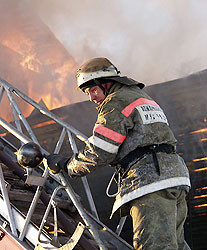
<point>128,118</point>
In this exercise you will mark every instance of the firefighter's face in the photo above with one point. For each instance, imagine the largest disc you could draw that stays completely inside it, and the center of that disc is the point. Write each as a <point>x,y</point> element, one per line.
<point>95,94</point>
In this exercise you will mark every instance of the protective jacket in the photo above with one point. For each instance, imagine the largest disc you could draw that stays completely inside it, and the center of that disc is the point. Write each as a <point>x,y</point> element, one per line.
<point>129,119</point>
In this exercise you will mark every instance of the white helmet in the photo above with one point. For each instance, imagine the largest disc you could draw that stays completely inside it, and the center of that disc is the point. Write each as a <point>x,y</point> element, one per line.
<point>93,69</point>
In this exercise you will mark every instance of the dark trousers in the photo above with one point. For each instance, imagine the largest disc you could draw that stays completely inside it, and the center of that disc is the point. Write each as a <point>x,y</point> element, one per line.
<point>158,220</point>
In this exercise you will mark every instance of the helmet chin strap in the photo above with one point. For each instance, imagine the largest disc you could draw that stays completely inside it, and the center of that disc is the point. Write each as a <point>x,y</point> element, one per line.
<point>101,86</point>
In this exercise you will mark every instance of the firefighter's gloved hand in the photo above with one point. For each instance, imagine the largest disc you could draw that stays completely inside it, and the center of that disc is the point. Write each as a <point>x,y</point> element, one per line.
<point>56,163</point>
<point>75,167</point>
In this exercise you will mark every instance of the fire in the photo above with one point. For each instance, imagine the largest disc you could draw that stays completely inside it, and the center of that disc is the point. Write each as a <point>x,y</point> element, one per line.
<point>203,188</point>
<point>204,139</point>
<point>3,134</point>
<point>31,63</point>
<point>200,169</point>
<point>34,60</point>
<point>46,123</point>
<point>202,205</point>
<point>26,49</point>
<point>54,95</point>
<point>53,92</point>
<point>180,135</point>
<point>40,125</point>
<point>203,130</point>
<point>61,74</point>
<point>201,159</point>
<point>200,196</point>
<point>48,100</point>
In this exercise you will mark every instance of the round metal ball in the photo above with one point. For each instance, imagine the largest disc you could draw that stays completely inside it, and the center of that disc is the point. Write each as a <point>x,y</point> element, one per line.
<point>29,155</point>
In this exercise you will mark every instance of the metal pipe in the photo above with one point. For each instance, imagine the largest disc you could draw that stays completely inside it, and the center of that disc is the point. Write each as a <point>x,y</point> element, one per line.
<point>89,196</point>
<point>109,230</point>
<point>67,226</point>
<point>84,179</point>
<point>21,117</point>
<point>44,111</point>
<point>8,143</point>
<point>32,206</point>
<point>7,202</point>
<point>9,88</point>
<point>1,92</point>
<point>60,141</point>
<point>121,225</point>
<point>72,142</point>
<point>82,212</point>
<point>70,129</point>
<point>14,131</point>
<point>55,221</point>
<point>16,120</point>
<point>47,213</point>
<point>25,139</point>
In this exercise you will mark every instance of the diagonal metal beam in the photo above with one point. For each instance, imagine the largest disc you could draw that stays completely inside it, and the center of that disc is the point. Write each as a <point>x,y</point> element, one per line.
<point>84,179</point>
<point>60,141</point>
<point>21,116</point>
<point>1,92</point>
<point>7,202</point>
<point>44,111</point>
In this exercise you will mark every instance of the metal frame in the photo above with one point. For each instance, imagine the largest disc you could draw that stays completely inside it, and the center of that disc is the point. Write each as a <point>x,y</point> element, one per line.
<point>19,219</point>
<point>91,228</point>
<point>18,115</point>
<point>68,130</point>
<point>32,206</point>
<point>47,213</point>
<point>7,204</point>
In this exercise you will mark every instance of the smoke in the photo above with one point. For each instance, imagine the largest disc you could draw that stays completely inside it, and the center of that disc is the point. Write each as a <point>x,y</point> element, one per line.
<point>33,60</point>
<point>151,41</point>
<point>42,43</point>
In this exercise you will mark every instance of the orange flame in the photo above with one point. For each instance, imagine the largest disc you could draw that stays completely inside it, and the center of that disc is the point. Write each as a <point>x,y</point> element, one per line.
<point>26,49</point>
<point>53,69</point>
<point>200,196</point>
<point>46,123</point>
<point>204,139</point>
<point>42,124</point>
<point>48,100</point>
<point>4,134</point>
<point>203,188</point>
<point>201,159</point>
<point>203,130</point>
<point>200,169</point>
<point>202,205</point>
<point>31,63</point>
<point>180,135</point>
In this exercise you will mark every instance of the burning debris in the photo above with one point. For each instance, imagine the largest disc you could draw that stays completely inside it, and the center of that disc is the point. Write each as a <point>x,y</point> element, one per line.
<point>47,123</point>
<point>33,60</point>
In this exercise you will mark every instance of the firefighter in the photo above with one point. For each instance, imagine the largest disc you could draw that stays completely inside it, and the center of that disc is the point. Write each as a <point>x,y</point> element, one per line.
<point>132,134</point>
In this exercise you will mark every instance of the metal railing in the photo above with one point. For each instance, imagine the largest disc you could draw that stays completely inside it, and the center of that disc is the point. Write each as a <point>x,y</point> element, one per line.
<point>67,130</point>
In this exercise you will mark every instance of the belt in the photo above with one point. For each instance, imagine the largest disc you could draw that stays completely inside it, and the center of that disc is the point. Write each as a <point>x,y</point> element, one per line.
<point>138,153</point>
<point>125,164</point>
